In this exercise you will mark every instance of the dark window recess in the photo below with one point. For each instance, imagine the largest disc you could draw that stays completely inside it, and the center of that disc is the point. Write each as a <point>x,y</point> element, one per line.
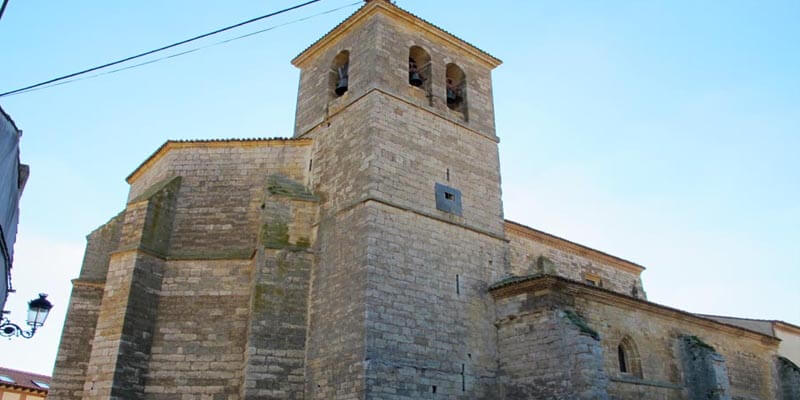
<point>458,285</point>
<point>448,199</point>
<point>623,364</point>
<point>433,389</point>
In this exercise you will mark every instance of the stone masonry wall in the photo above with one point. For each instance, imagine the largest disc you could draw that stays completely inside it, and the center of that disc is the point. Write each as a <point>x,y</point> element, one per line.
<point>279,289</point>
<point>789,379</point>
<point>199,241</point>
<point>335,346</point>
<point>99,246</point>
<point>121,347</point>
<point>415,149</point>
<point>528,256</point>
<point>339,176</point>
<point>395,38</point>
<point>379,51</point>
<point>316,101</point>
<point>657,336</point>
<point>84,306</point>
<point>429,316</point>
<point>378,152</point>
<point>221,192</point>
<point>705,373</point>
<point>200,331</point>
<point>275,355</point>
<point>546,351</point>
<point>69,373</point>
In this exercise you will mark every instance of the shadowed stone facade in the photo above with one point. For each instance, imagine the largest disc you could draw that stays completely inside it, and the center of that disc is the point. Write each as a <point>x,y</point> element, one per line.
<point>368,258</point>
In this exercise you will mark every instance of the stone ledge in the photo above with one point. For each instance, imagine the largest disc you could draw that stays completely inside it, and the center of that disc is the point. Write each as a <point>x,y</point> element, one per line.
<point>89,284</point>
<point>422,214</point>
<point>493,138</point>
<point>645,382</point>
<point>532,283</point>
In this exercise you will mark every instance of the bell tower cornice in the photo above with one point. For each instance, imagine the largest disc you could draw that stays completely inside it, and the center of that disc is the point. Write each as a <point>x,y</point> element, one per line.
<point>384,7</point>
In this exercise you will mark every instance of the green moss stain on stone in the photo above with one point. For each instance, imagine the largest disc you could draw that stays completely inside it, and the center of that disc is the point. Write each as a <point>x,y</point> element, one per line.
<point>282,266</point>
<point>158,219</point>
<point>274,235</point>
<point>787,363</point>
<point>212,254</point>
<point>266,296</point>
<point>545,266</point>
<point>303,242</point>
<point>173,182</point>
<point>279,185</point>
<point>694,341</point>
<point>578,321</point>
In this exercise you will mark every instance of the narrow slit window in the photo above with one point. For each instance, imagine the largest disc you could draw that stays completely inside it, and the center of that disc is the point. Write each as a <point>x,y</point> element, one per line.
<point>623,362</point>
<point>463,378</point>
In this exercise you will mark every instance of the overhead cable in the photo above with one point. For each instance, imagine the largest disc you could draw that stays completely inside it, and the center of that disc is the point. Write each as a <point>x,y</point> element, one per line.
<point>63,82</point>
<point>182,42</point>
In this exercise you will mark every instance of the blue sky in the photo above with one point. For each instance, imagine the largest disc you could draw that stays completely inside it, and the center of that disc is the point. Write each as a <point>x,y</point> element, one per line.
<point>664,132</point>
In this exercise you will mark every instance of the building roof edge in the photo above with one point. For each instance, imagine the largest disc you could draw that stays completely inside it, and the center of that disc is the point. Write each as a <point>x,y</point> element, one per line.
<point>372,6</point>
<point>577,248</point>
<point>170,144</point>
<point>508,283</point>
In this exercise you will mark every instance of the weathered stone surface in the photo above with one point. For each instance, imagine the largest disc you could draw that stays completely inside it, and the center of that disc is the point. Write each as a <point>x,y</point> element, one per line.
<point>705,373</point>
<point>547,350</point>
<point>320,267</point>
<point>789,376</point>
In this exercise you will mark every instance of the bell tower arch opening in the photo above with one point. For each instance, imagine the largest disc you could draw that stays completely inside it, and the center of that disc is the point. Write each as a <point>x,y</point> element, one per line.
<point>419,68</point>
<point>456,89</point>
<point>339,75</point>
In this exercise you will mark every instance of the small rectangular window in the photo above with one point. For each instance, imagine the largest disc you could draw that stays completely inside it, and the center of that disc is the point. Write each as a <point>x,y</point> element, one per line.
<point>592,279</point>
<point>447,199</point>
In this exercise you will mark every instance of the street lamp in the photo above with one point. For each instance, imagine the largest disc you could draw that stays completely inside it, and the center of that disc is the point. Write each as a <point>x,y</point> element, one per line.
<point>38,309</point>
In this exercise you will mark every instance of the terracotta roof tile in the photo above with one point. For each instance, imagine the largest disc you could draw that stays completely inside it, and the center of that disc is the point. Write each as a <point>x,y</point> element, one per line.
<point>22,379</point>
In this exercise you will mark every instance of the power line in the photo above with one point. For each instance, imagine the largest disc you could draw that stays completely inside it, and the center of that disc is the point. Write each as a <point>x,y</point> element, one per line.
<point>64,82</point>
<point>227,28</point>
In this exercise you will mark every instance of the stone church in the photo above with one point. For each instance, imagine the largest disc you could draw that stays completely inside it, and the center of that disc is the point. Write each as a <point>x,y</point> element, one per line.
<point>367,257</point>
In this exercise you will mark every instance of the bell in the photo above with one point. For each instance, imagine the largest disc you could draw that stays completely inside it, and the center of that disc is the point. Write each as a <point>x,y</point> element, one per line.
<point>452,96</point>
<point>341,86</point>
<point>415,80</point>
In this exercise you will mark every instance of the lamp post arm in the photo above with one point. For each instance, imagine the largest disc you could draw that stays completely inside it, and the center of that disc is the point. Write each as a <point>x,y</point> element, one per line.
<point>9,329</point>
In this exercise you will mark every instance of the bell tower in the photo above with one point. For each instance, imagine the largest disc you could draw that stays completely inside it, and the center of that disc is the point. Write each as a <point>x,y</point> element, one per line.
<point>410,231</point>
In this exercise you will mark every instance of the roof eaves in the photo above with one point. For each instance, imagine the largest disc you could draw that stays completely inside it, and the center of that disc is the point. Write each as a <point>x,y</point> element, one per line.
<point>295,61</point>
<point>507,282</point>
<point>206,141</point>
<point>600,252</point>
